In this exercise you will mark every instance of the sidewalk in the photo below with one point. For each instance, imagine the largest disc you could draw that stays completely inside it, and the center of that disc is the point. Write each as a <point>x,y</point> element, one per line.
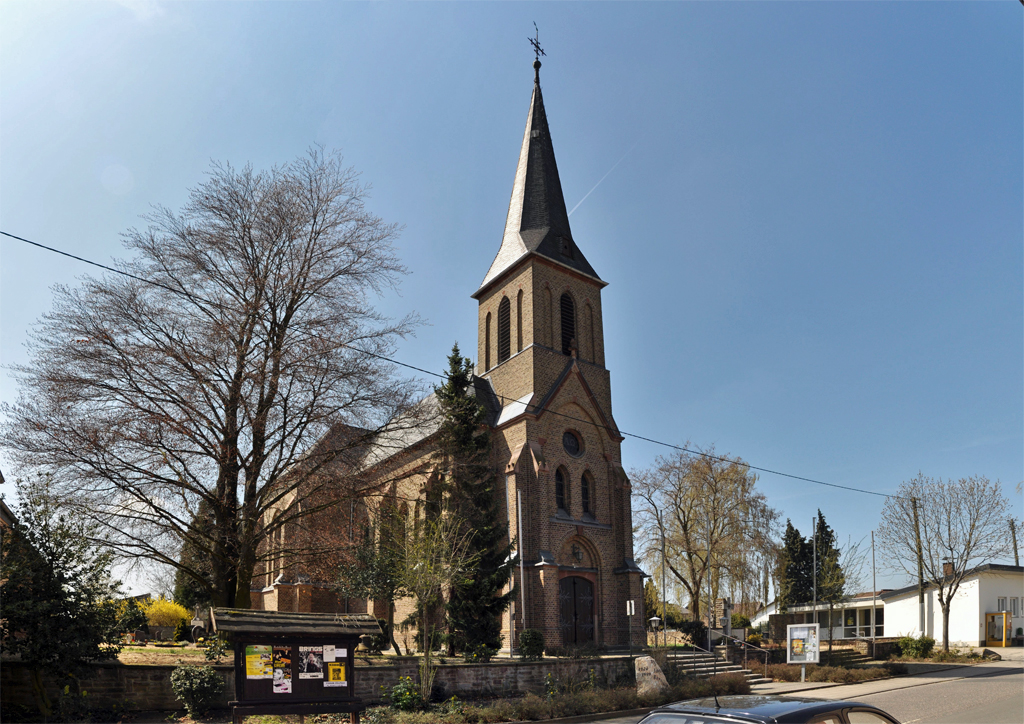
<point>851,691</point>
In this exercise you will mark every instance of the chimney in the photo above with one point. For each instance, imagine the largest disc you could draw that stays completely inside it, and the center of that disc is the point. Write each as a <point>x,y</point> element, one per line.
<point>947,568</point>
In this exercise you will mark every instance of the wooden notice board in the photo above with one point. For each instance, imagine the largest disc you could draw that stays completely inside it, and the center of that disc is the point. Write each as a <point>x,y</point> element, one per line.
<point>294,663</point>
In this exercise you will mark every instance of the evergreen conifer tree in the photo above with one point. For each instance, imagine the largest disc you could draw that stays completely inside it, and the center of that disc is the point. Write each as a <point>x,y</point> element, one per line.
<point>796,569</point>
<point>830,576</point>
<point>475,605</point>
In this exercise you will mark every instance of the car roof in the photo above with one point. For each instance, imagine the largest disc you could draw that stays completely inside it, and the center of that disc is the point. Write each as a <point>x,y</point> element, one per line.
<point>751,707</point>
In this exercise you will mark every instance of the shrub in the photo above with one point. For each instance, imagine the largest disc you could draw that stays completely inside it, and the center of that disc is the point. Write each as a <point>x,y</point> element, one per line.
<point>197,687</point>
<point>531,644</point>
<point>738,620</point>
<point>481,653</point>
<point>754,639</point>
<point>162,612</point>
<point>215,649</point>
<point>405,695</point>
<point>181,631</point>
<point>919,648</point>
<point>696,630</point>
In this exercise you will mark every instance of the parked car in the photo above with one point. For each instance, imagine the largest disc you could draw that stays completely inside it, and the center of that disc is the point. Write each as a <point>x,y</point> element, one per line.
<point>767,710</point>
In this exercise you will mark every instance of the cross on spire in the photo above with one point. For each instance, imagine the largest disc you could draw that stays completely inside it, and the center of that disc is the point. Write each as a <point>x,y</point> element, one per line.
<point>535,42</point>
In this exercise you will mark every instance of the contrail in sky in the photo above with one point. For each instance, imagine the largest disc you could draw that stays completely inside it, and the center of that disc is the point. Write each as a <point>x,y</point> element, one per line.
<point>609,172</point>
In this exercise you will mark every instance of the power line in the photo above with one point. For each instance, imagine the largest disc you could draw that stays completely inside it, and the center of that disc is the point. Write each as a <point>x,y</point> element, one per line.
<point>503,398</point>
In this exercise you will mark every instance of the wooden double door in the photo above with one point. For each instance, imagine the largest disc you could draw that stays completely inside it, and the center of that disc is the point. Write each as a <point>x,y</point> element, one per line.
<point>576,610</point>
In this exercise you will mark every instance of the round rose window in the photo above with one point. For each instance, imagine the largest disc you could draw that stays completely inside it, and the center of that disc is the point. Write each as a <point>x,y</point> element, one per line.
<point>572,444</point>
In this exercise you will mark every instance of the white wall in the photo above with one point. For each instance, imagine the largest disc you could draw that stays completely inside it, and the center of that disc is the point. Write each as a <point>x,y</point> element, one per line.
<point>976,596</point>
<point>997,585</point>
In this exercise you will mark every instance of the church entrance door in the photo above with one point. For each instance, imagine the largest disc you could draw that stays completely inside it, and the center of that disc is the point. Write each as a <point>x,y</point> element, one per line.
<point>576,610</point>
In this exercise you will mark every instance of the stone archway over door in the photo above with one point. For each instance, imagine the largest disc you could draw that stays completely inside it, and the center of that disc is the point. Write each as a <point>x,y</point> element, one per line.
<point>576,610</point>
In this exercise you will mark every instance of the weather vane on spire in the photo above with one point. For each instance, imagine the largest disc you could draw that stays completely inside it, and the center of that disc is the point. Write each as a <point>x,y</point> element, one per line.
<point>539,51</point>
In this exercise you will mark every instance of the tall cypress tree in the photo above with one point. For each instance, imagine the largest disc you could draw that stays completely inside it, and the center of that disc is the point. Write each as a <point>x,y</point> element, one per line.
<point>830,575</point>
<point>796,569</point>
<point>475,605</point>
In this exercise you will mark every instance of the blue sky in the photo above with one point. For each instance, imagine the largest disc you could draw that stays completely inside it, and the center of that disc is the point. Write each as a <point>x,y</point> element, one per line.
<point>813,239</point>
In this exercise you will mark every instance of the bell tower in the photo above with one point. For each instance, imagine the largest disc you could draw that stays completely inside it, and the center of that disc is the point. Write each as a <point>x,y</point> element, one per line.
<point>541,347</point>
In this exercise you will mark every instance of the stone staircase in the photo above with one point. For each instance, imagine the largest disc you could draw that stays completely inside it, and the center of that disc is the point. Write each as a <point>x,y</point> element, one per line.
<point>703,665</point>
<point>844,657</point>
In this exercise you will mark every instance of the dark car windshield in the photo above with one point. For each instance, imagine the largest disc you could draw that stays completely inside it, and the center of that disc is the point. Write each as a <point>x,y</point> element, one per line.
<point>682,718</point>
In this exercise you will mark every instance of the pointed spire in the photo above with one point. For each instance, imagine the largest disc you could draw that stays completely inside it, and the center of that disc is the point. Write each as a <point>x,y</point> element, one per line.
<point>537,221</point>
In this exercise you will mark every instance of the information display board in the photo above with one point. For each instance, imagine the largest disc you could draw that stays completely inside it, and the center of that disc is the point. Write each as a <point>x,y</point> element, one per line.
<point>802,643</point>
<point>294,663</point>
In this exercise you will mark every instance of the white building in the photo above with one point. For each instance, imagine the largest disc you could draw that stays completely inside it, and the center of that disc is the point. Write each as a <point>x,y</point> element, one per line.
<point>852,618</point>
<point>987,591</point>
<point>988,609</point>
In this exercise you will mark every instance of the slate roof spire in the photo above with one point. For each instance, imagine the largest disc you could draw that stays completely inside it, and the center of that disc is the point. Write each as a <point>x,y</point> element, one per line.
<point>537,221</point>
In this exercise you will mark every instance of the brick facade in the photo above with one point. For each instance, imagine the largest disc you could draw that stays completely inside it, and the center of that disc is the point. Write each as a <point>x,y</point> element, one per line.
<point>553,382</point>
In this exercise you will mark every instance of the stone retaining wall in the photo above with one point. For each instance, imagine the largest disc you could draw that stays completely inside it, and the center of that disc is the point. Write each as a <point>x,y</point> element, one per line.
<point>113,685</point>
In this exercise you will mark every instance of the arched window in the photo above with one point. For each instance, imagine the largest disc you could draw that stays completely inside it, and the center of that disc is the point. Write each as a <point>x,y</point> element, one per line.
<point>487,342</point>
<point>568,323</point>
<point>586,493</point>
<point>519,321</point>
<point>504,330</point>
<point>561,490</point>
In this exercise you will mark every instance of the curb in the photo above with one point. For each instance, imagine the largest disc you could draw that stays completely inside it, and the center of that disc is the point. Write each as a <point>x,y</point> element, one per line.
<point>833,684</point>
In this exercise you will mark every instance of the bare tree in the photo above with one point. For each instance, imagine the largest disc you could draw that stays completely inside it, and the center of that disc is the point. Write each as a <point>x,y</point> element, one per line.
<point>961,525</point>
<point>437,556</point>
<point>716,524</point>
<point>244,333</point>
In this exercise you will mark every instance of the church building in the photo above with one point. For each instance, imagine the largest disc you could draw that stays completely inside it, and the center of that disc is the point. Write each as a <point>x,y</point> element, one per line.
<point>541,374</point>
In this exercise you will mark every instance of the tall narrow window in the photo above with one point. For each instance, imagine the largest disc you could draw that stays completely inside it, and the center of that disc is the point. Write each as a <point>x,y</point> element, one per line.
<point>504,330</point>
<point>519,321</point>
<point>585,493</point>
<point>568,323</point>
<point>487,342</point>
<point>548,320</point>
<point>560,497</point>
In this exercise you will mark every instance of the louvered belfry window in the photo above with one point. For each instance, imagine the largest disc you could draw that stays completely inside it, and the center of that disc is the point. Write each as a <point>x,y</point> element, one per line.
<point>568,323</point>
<point>504,330</point>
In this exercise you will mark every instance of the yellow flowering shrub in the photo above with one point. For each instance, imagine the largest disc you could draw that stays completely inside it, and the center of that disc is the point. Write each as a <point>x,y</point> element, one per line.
<point>161,612</point>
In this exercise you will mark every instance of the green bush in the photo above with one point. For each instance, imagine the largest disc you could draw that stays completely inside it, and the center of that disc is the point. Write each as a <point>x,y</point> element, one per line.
<point>197,687</point>
<point>755,639</point>
<point>919,648</point>
<point>531,644</point>
<point>405,695</point>
<point>740,621</point>
<point>479,654</point>
<point>697,632</point>
<point>182,631</point>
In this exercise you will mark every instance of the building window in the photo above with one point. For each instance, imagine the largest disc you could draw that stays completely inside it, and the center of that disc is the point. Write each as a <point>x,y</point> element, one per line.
<point>519,321</point>
<point>1013,607</point>
<point>571,443</point>
<point>1000,604</point>
<point>561,499</point>
<point>504,330</point>
<point>487,342</point>
<point>568,323</point>
<point>585,493</point>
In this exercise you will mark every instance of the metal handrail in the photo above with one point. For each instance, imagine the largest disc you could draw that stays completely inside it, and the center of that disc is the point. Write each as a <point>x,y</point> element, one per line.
<point>746,646</point>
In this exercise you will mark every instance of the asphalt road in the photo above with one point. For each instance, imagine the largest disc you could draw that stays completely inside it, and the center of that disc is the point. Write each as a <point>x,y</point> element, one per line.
<point>989,694</point>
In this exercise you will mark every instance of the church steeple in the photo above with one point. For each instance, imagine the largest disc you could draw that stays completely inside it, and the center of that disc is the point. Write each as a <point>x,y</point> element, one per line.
<point>537,221</point>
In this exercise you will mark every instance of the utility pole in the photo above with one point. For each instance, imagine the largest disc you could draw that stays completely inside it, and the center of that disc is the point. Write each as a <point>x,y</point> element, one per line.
<point>814,572</point>
<point>1013,535</point>
<point>920,568</point>
<point>874,589</point>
